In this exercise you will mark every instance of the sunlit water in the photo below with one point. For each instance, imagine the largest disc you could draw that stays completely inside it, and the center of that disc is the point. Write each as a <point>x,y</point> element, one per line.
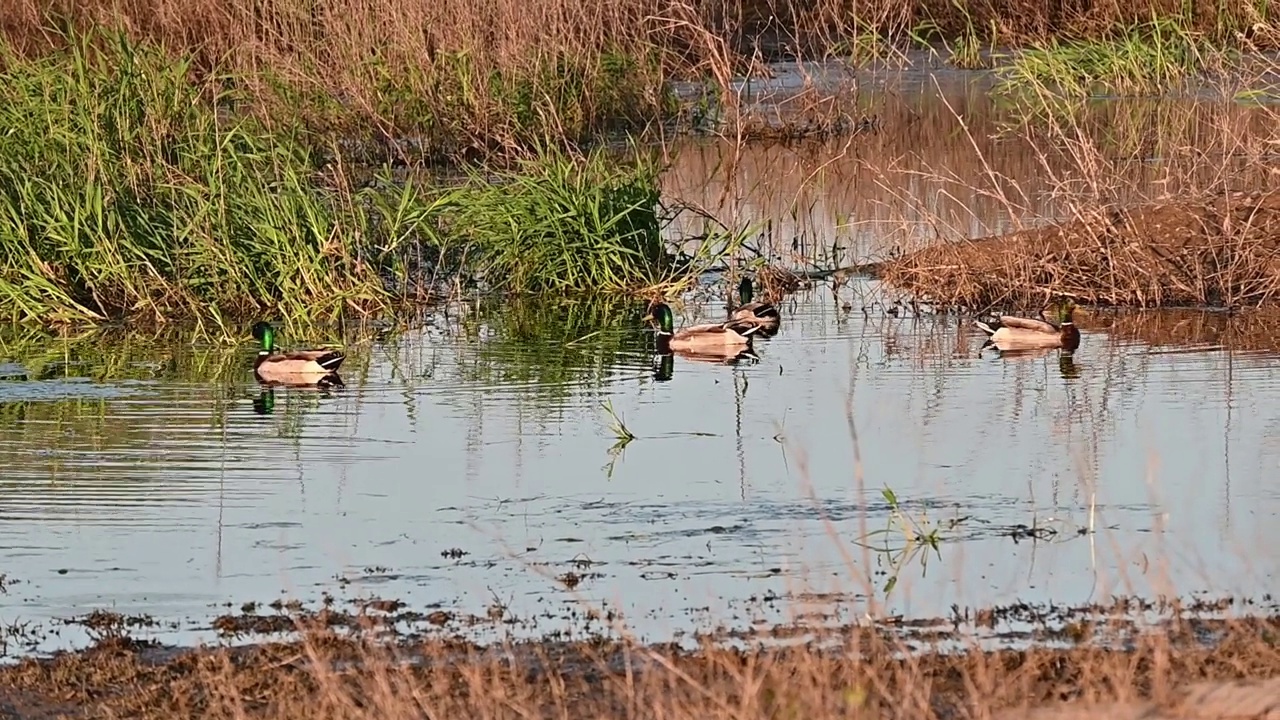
<point>743,482</point>
<point>162,480</point>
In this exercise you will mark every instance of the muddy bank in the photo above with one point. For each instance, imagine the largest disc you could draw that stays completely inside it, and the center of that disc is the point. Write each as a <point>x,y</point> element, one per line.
<point>1218,251</point>
<point>851,672</point>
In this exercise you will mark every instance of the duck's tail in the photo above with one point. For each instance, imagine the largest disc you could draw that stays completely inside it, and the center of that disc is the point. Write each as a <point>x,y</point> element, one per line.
<point>331,380</point>
<point>331,361</point>
<point>984,327</point>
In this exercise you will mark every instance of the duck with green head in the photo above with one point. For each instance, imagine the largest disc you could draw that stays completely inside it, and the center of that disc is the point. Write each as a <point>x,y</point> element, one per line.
<point>755,312</point>
<point>720,338</point>
<point>1017,333</point>
<point>294,367</point>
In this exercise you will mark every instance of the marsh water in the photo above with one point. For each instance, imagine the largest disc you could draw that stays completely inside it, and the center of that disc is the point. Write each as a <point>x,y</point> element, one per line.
<point>471,462</point>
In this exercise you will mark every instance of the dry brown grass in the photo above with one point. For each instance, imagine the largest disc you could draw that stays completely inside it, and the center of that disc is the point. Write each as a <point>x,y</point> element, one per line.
<point>1224,251</point>
<point>1150,209</point>
<point>864,674</point>
<point>459,75</point>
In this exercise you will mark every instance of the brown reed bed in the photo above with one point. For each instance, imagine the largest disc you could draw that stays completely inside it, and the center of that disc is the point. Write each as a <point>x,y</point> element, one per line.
<point>859,673</point>
<point>1171,206</point>
<point>1218,251</point>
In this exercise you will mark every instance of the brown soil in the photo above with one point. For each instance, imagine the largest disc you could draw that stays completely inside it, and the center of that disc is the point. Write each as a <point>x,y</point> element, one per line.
<point>858,673</point>
<point>1220,251</point>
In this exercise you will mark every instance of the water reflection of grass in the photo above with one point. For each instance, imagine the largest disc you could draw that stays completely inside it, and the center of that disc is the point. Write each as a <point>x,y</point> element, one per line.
<point>551,345</point>
<point>112,354</point>
<point>1129,134</point>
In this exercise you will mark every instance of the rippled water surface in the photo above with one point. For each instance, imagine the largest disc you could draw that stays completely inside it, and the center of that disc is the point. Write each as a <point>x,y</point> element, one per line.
<point>168,493</point>
<point>156,477</point>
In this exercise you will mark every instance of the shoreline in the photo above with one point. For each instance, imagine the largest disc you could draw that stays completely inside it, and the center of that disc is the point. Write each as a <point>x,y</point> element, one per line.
<point>857,671</point>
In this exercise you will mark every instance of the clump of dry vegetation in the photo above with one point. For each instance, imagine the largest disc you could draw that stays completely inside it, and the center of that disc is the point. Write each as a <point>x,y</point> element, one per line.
<point>1168,205</point>
<point>1223,251</point>
<point>860,673</point>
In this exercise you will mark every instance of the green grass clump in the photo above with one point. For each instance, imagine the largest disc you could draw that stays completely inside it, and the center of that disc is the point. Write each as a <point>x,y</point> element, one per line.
<point>126,188</point>
<point>129,188</point>
<point>152,198</point>
<point>565,223</point>
<point>1146,59</point>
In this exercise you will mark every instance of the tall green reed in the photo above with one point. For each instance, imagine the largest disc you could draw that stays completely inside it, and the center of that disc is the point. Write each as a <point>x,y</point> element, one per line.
<point>562,222</point>
<point>127,187</point>
<point>1149,58</point>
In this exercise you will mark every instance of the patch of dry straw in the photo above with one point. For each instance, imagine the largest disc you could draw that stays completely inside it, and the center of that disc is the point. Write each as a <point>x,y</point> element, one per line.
<point>861,673</point>
<point>1223,251</point>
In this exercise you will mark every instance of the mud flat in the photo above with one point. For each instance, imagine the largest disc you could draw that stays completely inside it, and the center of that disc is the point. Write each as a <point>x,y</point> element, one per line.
<point>1196,663</point>
<point>1220,251</point>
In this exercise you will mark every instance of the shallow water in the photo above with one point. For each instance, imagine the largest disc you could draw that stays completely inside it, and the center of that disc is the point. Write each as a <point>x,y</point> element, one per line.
<point>168,492</point>
<point>155,477</point>
<point>947,159</point>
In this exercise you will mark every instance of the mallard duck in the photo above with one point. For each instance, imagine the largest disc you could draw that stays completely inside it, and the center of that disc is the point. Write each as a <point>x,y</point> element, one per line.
<point>1017,333</point>
<point>718,338</point>
<point>296,367</point>
<point>756,312</point>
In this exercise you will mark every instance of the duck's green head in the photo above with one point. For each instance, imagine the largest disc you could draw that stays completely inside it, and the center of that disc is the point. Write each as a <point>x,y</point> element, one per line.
<point>265,334</point>
<point>745,291</point>
<point>660,315</point>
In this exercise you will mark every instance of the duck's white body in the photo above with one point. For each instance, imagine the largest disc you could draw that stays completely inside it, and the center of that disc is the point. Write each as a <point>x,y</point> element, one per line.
<point>1017,333</point>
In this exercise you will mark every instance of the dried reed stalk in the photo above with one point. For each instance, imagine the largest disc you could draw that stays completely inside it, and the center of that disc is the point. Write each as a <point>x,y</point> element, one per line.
<point>862,673</point>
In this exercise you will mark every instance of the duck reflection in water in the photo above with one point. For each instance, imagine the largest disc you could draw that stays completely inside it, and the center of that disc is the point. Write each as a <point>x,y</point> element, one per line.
<point>1066,359</point>
<point>265,403</point>
<point>666,362</point>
